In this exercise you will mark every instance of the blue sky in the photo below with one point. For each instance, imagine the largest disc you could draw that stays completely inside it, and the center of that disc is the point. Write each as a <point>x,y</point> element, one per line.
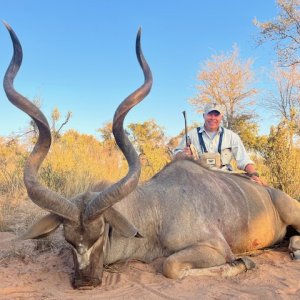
<point>79,56</point>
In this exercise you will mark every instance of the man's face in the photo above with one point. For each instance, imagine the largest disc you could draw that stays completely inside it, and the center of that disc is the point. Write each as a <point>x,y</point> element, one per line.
<point>212,120</point>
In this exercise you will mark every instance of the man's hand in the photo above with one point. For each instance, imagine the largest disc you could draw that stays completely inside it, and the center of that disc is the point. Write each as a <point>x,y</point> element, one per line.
<point>252,173</point>
<point>258,180</point>
<point>185,152</point>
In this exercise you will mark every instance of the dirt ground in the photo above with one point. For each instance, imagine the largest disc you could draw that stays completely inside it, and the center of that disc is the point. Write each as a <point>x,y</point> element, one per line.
<point>28,272</point>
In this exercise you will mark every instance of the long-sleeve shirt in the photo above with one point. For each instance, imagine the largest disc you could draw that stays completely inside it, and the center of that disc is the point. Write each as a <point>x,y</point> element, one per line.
<point>230,140</point>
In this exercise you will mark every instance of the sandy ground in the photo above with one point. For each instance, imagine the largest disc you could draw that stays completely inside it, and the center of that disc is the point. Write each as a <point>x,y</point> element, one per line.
<point>28,273</point>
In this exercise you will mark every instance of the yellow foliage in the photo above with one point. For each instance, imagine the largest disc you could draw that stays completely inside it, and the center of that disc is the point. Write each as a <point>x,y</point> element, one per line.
<point>150,142</point>
<point>76,161</point>
<point>282,159</point>
<point>12,156</point>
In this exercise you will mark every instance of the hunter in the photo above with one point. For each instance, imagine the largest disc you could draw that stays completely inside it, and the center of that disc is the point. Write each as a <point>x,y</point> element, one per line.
<point>215,145</point>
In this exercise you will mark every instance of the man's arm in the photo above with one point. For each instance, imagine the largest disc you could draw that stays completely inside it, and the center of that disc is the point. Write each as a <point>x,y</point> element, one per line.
<point>182,150</point>
<point>251,171</point>
<point>244,161</point>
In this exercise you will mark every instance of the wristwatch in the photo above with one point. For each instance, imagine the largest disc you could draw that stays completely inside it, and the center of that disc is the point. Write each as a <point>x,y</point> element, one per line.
<point>253,174</point>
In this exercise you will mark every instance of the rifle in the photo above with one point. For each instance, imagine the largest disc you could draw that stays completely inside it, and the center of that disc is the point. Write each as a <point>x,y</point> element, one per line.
<point>187,139</point>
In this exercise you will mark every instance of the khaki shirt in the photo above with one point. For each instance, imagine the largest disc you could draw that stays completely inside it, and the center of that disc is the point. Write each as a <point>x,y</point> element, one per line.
<point>230,140</point>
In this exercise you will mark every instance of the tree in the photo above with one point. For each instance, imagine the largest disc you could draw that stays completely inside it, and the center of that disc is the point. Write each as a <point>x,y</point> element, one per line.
<point>248,132</point>
<point>114,159</point>
<point>107,138</point>
<point>77,161</point>
<point>55,117</point>
<point>226,80</point>
<point>286,103</point>
<point>12,158</point>
<point>174,141</point>
<point>150,141</point>
<point>282,159</point>
<point>31,132</point>
<point>284,31</point>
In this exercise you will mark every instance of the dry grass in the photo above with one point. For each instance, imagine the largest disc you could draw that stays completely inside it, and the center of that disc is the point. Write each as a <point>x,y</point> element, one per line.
<point>8,206</point>
<point>16,216</point>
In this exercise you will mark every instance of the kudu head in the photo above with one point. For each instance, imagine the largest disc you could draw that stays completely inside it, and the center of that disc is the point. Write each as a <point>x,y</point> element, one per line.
<point>87,217</point>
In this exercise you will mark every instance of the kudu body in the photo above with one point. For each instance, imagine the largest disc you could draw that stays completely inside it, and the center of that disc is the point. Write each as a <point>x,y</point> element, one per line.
<point>196,217</point>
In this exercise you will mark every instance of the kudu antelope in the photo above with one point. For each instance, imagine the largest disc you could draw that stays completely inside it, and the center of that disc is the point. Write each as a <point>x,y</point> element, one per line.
<point>199,219</point>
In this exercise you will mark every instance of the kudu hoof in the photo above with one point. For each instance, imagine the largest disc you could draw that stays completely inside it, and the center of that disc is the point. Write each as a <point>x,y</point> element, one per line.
<point>248,263</point>
<point>295,255</point>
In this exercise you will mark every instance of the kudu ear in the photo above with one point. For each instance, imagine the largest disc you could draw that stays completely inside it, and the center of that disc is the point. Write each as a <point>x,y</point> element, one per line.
<point>120,223</point>
<point>42,228</point>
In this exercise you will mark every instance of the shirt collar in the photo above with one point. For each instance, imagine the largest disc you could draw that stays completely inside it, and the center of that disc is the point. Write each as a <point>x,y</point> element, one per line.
<point>202,129</point>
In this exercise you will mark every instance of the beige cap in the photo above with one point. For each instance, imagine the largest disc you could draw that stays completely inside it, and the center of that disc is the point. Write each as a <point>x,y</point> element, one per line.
<point>211,107</point>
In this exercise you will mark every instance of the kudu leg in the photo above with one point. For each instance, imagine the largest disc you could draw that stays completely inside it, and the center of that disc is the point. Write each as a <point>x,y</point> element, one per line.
<point>294,247</point>
<point>204,259</point>
<point>287,208</point>
<point>289,212</point>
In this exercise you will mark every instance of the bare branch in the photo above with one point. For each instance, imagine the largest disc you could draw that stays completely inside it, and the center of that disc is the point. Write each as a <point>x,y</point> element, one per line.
<point>226,80</point>
<point>284,31</point>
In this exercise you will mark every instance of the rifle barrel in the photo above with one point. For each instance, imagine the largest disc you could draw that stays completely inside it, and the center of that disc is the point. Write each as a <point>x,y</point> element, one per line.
<point>185,128</point>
